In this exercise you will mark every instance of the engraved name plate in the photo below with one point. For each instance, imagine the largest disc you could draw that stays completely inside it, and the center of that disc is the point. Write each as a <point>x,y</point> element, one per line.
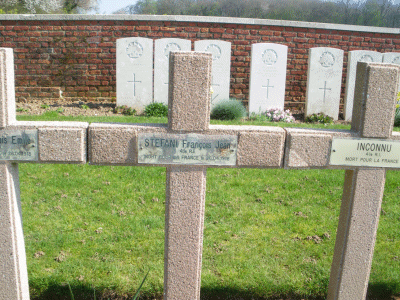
<point>365,153</point>
<point>187,149</point>
<point>19,145</point>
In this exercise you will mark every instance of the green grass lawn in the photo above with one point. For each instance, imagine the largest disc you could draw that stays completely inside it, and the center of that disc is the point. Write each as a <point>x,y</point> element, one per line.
<point>268,233</point>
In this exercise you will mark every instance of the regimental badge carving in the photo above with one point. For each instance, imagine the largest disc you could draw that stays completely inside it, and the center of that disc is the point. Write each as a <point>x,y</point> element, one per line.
<point>269,57</point>
<point>215,50</point>
<point>366,58</point>
<point>396,60</point>
<point>327,59</point>
<point>171,47</point>
<point>134,50</point>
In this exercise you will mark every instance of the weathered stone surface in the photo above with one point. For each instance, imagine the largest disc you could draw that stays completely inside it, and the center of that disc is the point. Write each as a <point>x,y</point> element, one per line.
<point>13,270</point>
<point>116,144</point>
<point>374,106</point>
<point>59,142</point>
<point>7,87</point>
<point>310,148</point>
<point>189,103</point>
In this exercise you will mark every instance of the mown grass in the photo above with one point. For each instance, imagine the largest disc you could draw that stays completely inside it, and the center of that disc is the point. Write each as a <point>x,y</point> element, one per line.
<point>268,233</point>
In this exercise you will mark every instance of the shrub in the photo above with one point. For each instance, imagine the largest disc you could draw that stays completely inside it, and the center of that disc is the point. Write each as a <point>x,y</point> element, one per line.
<point>319,118</point>
<point>397,113</point>
<point>156,110</point>
<point>231,109</point>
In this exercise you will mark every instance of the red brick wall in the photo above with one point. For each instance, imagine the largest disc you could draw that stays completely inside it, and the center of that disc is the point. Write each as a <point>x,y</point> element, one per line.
<point>78,56</point>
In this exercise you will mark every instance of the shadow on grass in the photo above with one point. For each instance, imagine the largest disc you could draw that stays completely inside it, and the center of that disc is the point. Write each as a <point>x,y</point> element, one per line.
<point>380,291</point>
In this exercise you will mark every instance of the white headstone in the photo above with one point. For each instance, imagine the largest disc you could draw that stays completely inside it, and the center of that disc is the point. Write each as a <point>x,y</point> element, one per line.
<point>392,58</point>
<point>221,67</point>
<point>134,72</point>
<point>267,76</point>
<point>324,81</point>
<point>162,49</point>
<point>353,58</point>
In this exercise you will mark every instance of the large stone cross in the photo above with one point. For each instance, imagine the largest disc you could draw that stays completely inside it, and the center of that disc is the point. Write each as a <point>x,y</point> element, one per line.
<point>50,142</point>
<point>372,124</point>
<point>189,115</point>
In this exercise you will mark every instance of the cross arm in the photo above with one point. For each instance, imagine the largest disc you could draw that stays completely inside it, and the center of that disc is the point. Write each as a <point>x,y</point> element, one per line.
<point>311,149</point>
<point>58,142</point>
<point>116,144</point>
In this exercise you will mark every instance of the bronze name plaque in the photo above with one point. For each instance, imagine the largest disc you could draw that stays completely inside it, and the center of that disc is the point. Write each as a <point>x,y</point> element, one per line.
<point>19,145</point>
<point>187,149</point>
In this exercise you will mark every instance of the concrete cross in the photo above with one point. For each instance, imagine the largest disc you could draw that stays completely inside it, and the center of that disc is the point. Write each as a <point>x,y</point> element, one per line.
<point>189,113</point>
<point>373,116</point>
<point>56,142</point>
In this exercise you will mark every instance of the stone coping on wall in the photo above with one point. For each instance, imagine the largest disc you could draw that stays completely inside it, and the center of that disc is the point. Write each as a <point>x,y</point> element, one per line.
<point>198,19</point>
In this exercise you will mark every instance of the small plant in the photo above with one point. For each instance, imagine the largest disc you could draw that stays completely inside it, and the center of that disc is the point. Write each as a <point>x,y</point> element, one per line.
<point>319,118</point>
<point>60,110</point>
<point>22,109</point>
<point>84,106</point>
<point>156,110</point>
<point>125,110</point>
<point>397,113</point>
<point>279,115</point>
<point>231,109</point>
<point>45,106</point>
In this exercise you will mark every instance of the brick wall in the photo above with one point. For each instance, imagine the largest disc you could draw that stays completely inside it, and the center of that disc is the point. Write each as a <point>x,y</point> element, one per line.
<point>74,56</point>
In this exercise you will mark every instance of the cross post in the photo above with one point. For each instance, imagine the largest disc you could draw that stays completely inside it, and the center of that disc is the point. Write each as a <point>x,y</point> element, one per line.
<point>52,142</point>
<point>189,116</point>
<point>373,116</point>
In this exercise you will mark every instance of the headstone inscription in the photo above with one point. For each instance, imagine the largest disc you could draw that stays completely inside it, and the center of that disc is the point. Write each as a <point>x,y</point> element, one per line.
<point>353,58</point>
<point>371,129</point>
<point>267,77</point>
<point>187,146</point>
<point>221,67</point>
<point>134,72</point>
<point>42,142</point>
<point>162,49</point>
<point>391,58</point>
<point>324,80</point>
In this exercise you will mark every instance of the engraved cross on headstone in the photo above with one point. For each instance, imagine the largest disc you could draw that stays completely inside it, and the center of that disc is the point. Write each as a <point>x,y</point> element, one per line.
<point>267,87</point>
<point>189,115</point>
<point>325,89</point>
<point>50,140</point>
<point>134,84</point>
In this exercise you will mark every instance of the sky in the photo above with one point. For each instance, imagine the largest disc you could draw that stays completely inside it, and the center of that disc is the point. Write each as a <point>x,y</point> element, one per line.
<point>107,7</point>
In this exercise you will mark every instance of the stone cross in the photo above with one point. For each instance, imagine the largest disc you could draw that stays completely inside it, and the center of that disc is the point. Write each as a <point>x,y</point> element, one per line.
<point>373,116</point>
<point>56,142</point>
<point>189,113</point>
